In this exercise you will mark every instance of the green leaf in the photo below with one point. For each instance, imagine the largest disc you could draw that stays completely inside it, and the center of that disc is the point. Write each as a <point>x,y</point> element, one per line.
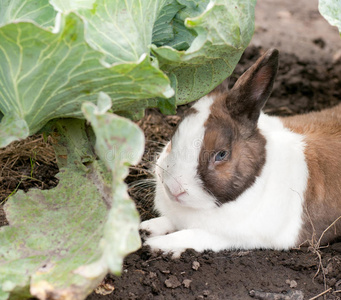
<point>224,29</point>
<point>122,29</point>
<point>39,11</point>
<point>163,31</point>
<point>62,242</point>
<point>331,11</point>
<point>183,37</point>
<point>119,143</point>
<point>45,75</point>
<point>12,128</point>
<point>51,234</point>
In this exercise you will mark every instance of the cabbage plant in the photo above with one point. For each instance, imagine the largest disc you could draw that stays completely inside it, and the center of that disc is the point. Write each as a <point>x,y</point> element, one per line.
<point>67,64</point>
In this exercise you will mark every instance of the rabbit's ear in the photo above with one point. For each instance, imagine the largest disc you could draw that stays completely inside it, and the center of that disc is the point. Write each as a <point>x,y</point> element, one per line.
<point>253,88</point>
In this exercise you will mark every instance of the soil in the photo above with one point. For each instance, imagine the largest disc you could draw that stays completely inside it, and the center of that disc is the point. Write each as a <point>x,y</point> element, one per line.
<point>309,79</point>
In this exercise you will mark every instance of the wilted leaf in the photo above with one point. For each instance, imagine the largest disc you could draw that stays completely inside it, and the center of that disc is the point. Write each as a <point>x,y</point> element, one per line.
<point>51,234</point>
<point>61,242</point>
<point>119,143</point>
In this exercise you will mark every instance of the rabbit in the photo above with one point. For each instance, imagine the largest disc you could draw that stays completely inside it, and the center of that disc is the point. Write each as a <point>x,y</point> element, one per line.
<point>233,177</point>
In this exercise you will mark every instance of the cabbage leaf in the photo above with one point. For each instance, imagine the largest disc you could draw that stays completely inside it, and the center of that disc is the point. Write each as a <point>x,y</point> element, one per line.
<point>61,242</point>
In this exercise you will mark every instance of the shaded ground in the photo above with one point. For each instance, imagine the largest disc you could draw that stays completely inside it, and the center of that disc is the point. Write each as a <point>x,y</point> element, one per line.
<point>26,164</point>
<point>309,79</point>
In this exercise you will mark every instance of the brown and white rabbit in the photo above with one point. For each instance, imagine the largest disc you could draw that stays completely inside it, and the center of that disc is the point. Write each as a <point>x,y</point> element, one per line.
<point>235,178</point>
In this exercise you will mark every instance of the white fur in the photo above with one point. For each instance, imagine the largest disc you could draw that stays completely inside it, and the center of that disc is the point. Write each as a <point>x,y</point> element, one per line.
<point>267,215</point>
<point>177,169</point>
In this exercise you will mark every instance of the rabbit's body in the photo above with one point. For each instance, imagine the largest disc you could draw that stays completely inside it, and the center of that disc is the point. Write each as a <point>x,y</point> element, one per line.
<point>235,178</point>
<point>322,138</point>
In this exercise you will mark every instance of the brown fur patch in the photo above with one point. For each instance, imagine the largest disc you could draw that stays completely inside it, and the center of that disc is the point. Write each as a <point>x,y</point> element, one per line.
<point>232,127</point>
<point>227,179</point>
<point>322,131</point>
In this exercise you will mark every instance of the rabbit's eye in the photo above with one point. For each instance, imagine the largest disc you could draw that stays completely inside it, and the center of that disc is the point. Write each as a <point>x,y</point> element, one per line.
<point>221,155</point>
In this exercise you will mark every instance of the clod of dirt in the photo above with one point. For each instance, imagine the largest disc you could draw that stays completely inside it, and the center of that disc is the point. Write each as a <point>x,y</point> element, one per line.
<point>195,265</point>
<point>187,283</point>
<point>291,283</point>
<point>105,288</point>
<point>172,282</point>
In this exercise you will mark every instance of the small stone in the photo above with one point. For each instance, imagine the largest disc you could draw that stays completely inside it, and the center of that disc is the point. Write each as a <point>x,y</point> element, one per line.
<point>105,288</point>
<point>243,253</point>
<point>206,293</point>
<point>172,282</point>
<point>195,265</point>
<point>187,283</point>
<point>291,283</point>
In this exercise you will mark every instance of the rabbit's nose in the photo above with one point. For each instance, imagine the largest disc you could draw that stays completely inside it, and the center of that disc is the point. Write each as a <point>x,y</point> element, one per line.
<point>174,193</point>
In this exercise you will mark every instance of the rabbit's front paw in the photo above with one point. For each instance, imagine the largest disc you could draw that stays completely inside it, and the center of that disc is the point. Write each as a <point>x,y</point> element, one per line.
<point>165,243</point>
<point>156,227</point>
<point>197,239</point>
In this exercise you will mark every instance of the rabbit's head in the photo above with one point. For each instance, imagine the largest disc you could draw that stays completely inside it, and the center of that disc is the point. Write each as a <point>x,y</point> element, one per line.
<point>217,151</point>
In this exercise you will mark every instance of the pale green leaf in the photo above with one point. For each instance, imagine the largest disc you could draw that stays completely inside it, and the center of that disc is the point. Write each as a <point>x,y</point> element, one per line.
<point>39,11</point>
<point>119,143</point>
<point>122,29</point>
<point>45,75</point>
<point>331,11</point>
<point>12,128</point>
<point>72,5</point>
<point>51,234</point>
<point>104,103</point>
<point>62,242</point>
